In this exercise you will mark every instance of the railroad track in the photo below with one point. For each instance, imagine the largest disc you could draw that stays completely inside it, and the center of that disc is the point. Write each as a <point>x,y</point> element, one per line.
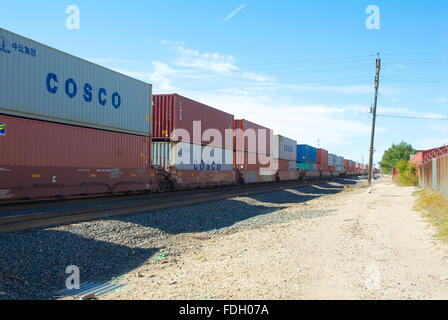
<point>134,205</point>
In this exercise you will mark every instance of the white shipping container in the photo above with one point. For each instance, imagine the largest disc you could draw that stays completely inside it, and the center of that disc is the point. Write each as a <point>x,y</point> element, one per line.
<point>42,83</point>
<point>332,159</point>
<point>187,156</point>
<point>285,148</point>
<point>292,166</point>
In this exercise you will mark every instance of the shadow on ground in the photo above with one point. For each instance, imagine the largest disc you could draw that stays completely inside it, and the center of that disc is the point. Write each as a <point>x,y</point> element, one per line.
<point>39,259</point>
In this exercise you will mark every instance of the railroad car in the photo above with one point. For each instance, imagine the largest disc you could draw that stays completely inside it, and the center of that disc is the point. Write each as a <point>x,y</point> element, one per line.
<point>189,165</point>
<point>41,159</point>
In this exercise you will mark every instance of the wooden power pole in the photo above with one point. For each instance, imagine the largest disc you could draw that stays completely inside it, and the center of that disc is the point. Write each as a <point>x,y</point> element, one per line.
<point>377,82</point>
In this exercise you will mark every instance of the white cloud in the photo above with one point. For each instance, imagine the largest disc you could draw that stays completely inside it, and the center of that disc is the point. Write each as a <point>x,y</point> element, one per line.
<point>425,144</point>
<point>161,77</point>
<point>256,77</point>
<point>438,127</point>
<point>233,13</point>
<point>441,100</point>
<point>208,61</point>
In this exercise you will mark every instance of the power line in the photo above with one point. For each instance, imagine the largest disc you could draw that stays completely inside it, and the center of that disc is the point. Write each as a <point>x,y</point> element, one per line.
<point>410,117</point>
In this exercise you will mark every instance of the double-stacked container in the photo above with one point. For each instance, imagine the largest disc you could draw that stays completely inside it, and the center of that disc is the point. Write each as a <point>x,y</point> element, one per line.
<point>306,157</point>
<point>340,164</point>
<point>348,167</point>
<point>192,141</point>
<point>70,127</point>
<point>253,152</point>
<point>285,158</point>
<point>332,162</point>
<point>322,160</point>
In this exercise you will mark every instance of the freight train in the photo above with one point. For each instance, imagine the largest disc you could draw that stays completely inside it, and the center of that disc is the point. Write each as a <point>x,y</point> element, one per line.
<point>69,127</point>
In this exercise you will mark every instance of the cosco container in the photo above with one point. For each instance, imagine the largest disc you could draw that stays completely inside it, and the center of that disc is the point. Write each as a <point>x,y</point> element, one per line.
<point>42,83</point>
<point>306,153</point>
<point>43,159</point>
<point>252,137</point>
<point>284,148</point>
<point>187,156</point>
<point>177,118</point>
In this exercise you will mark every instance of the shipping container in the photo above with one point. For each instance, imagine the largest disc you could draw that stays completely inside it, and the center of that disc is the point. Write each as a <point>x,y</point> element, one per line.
<point>187,156</point>
<point>252,137</point>
<point>174,114</point>
<point>322,159</point>
<point>255,168</point>
<point>42,159</point>
<point>306,166</point>
<point>42,83</point>
<point>306,153</point>
<point>332,159</point>
<point>286,170</point>
<point>284,148</point>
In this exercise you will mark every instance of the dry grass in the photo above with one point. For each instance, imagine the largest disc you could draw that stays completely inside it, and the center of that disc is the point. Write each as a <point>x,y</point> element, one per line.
<point>348,189</point>
<point>434,207</point>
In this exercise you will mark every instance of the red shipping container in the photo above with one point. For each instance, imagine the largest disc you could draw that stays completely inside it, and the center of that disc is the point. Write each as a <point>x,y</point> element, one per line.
<point>322,160</point>
<point>287,170</point>
<point>241,142</point>
<point>253,167</point>
<point>172,111</point>
<point>346,164</point>
<point>42,159</point>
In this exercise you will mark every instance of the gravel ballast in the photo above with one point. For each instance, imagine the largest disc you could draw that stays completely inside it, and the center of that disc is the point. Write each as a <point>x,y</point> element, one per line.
<point>33,264</point>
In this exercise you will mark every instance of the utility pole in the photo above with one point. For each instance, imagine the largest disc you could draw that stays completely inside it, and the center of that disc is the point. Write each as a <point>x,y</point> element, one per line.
<point>377,82</point>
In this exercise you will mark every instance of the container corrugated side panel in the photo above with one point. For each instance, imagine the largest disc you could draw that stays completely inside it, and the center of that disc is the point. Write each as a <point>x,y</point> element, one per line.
<point>186,156</point>
<point>162,154</point>
<point>34,143</point>
<point>241,143</point>
<point>172,111</point>
<point>306,153</point>
<point>163,115</point>
<point>284,148</point>
<point>190,111</point>
<point>24,90</point>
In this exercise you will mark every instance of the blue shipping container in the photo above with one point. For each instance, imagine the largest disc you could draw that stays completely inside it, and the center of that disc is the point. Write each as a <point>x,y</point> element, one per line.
<point>306,153</point>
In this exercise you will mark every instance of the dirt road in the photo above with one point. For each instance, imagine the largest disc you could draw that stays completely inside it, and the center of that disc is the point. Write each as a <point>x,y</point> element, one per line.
<point>371,246</point>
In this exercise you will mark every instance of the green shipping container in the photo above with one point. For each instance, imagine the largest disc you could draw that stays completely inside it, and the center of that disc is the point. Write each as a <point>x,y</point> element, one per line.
<point>306,166</point>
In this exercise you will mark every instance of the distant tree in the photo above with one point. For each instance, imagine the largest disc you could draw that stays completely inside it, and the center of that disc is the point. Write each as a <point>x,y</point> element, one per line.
<point>394,154</point>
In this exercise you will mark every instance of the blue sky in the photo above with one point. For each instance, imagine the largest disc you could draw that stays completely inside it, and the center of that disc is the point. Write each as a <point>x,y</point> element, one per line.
<point>302,68</point>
